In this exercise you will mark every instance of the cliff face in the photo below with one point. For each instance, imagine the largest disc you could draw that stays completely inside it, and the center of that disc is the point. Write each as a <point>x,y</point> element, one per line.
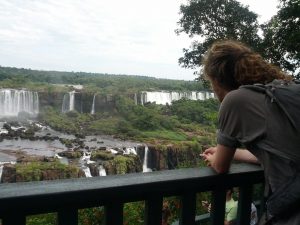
<point>53,99</point>
<point>83,102</point>
<point>172,157</point>
<point>37,171</point>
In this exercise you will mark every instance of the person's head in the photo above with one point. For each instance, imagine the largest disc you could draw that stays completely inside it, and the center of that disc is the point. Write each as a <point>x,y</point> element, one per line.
<point>230,64</point>
<point>229,194</point>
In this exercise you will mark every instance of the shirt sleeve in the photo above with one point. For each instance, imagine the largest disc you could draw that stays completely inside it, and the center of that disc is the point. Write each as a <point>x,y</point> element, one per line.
<point>241,118</point>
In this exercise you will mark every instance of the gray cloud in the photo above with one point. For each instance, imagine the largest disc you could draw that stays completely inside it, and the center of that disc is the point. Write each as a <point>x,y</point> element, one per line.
<point>112,36</point>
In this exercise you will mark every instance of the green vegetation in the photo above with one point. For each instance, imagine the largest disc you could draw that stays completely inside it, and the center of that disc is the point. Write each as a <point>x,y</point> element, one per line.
<point>11,77</point>
<point>277,41</point>
<point>36,171</point>
<point>184,120</point>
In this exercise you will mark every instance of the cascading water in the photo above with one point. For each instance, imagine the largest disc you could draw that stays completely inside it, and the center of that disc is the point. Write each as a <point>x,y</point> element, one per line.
<point>12,102</point>
<point>68,102</point>
<point>102,171</point>
<point>1,170</point>
<point>163,97</point>
<point>145,163</point>
<point>93,105</point>
<point>87,171</point>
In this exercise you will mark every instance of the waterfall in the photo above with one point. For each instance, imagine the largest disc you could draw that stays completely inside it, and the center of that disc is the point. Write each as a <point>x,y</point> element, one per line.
<point>12,102</point>
<point>145,163</point>
<point>72,100</point>
<point>1,170</point>
<point>93,105</point>
<point>135,99</point>
<point>87,171</point>
<point>165,97</point>
<point>102,171</point>
<point>68,102</point>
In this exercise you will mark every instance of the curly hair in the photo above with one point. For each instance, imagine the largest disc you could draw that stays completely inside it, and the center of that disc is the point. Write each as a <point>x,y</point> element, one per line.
<point>233,64</point>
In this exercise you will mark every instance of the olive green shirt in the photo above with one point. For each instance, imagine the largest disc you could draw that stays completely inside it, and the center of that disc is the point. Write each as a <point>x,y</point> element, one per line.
<point>249,119</point>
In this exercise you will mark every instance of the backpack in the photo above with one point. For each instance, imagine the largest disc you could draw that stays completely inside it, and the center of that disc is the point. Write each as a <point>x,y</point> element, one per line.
<point>286,94</point>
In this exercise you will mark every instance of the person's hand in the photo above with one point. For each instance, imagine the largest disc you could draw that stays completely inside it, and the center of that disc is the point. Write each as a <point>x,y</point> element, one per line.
<point>210,150</point>
<point>208,155</point>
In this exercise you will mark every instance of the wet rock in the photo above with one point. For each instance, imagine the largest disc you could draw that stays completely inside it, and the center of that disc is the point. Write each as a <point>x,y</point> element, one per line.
<point>71,154</point>
<point>99,154</point>
<point>8,174</point>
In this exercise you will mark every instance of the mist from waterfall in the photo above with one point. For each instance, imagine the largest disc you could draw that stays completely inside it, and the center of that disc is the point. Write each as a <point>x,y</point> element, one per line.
<point>164,97</point>
<point>12,102</point>
<point>68,102</point>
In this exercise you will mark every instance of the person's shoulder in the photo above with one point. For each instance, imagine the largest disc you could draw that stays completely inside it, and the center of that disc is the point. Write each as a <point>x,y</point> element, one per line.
<point>234,98</point>
<point>241,97</point>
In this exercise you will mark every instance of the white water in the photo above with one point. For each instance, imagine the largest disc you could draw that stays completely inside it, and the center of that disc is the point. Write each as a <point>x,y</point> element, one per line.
<point>129,150</point>
<point>1,170</point>
<point>12,102</point>
<point>87,171</point>
<point>102,171</point>
<point>93,105</point>
<point>164,97</point>
<point>68,102</point>
<point>145,163</point>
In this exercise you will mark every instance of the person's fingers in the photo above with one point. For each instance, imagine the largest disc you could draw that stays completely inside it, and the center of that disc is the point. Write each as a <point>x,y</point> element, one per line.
<point>210,150</point>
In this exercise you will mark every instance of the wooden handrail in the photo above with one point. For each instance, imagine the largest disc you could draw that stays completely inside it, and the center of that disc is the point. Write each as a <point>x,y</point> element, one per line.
<point>113,191</point>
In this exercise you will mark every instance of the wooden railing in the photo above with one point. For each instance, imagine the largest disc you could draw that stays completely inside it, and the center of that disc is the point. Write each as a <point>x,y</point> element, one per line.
<point>65,197</point>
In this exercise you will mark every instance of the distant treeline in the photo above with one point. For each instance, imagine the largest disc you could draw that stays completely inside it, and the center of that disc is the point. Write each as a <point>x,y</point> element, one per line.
<point>16,77</point>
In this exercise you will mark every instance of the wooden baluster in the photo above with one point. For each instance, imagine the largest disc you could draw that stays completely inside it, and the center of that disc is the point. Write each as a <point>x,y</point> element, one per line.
<point>113,213</point>
<point>218,206</point>
<point>68,216</point>
<point>153,210</point>
<point>244,205</point>
<point>188,209</point>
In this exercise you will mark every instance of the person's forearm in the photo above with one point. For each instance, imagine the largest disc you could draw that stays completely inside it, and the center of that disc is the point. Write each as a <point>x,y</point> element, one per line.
<point>244,155</point>
<point>222,158</point>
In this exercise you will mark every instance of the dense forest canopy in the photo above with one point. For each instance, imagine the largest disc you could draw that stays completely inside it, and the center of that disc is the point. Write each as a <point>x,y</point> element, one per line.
<point>276,40</point>
<point>15,77</point>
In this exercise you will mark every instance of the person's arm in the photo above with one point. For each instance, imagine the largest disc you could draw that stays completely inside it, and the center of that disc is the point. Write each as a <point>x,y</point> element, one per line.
<point>244,155</point>
<point>219,158</point>
<point>228,222</point>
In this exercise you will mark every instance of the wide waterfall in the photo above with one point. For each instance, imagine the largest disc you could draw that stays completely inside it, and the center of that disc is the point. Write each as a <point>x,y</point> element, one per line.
<point>12,102</point>
<point>68,102</point>
<point>164,97</point>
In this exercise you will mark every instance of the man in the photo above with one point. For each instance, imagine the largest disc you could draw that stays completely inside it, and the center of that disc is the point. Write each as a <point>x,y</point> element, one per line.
<point>250,119</point>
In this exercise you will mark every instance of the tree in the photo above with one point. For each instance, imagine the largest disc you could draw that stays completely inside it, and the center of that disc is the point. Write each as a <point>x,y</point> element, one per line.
<point>282,36</point>
<point>228,19</point>
<point>215,20</point>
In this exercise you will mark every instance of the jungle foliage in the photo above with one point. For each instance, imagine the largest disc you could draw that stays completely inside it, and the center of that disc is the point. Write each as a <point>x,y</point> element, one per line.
<point>276,40</point>
<point>94,82</point>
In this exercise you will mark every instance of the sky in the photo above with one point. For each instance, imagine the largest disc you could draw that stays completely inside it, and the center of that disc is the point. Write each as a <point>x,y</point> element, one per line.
<point>133,37</point>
